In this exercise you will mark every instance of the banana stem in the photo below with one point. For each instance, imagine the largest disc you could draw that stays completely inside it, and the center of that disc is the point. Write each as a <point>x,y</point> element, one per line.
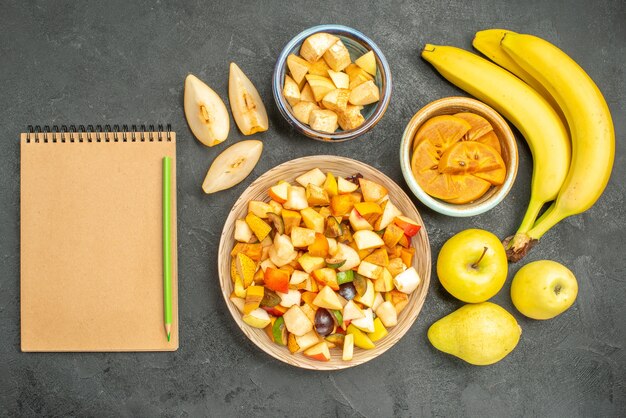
<point>534,206</point>
<point>552,217</point>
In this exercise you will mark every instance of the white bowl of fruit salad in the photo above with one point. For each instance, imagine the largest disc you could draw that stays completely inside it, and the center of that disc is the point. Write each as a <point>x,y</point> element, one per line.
<point>324,262</point>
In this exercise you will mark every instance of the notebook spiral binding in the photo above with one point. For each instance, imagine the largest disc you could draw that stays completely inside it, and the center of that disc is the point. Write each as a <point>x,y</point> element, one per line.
<point>99,133</point>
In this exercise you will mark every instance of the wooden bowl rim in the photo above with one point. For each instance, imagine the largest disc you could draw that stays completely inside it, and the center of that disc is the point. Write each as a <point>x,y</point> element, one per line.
<point>407,316</point>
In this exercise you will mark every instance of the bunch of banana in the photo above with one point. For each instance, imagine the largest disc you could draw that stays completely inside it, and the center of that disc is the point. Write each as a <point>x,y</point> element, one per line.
<point>560,81</point>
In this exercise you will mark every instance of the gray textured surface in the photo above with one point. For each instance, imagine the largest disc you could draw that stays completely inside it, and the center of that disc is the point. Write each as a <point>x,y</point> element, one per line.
<point>113,62</point>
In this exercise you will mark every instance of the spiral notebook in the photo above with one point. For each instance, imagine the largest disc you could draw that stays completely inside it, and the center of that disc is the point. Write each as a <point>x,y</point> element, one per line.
<point>91,239</point>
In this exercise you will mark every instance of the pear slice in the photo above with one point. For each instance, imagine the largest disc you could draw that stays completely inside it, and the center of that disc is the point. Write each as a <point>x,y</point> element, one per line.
<point>291,91</point>
<point>350,118</point>
<point>306,94</point>
<point>246,104</point>
<point>367,62</point>
<point>365,94</point>
<point>337,57</point>
<point>302,111</point>
<point>336,100</point>
<point>316,45</point>
<point>319,68</point>
<point>232,165</point>
<point>341,79</point>
<point>357,75</point>
<point>320,86</point>
<point>323,120</point>
<point>297,67</point>
<point>205,112</point>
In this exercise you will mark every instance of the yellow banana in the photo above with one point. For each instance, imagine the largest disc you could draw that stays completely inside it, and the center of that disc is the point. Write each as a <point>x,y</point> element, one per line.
<point>524,107</point>
<point>590,125</point>
<point>487,42</point>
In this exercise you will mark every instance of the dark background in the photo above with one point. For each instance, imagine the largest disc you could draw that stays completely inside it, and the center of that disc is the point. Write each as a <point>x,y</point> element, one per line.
<point>124,62</point>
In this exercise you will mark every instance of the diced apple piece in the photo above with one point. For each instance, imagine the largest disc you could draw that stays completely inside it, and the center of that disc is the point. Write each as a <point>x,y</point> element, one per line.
<point>368,297</point>
<point>296,321</point>
<point>296,198</point>
<point>344,186</point>
<point>407,281</point>
<point>298,67</point>
<point>367,62</point>
<point>258,318</point>
<point>361,339</point>
<point>306,94</point>
<point>279,192</point>
<point>259,208</point>
<point>327,298</point>
<point>345,252</point>
<point>302,111</point>
<point>310,263</point>
<point>372,191</point>
<point>379,331</point>
<point>365,93</point>
<point>282,252</point>
<point>390,212</point>
<point>371,211</point>
<point>243,233</point>
<point>352,311</point>
<point>366,239</point>
<point>385,282</point>
<point>341,79</point>
<point>378,299</point>
<point>319,68</point>
<point>292,297</point>
<point>291,218</point>
<point>336,100</point>
<point>291,91</point>
<point>332,246</point>
<point>350,117</point>
<point>313,220</point>
<point>265,264</point>
<point>245,102</point>
<point>297,344</point>
<point>387,314</point>
<point>205,112</point>
<point>315,176</point>
<point>323,120</point>
<point>314,47</point>
<point>358,222</point>
<point>370,270</point>
<point>348,347</point>
<point>238,302</point>
<point>302,237</point>
<point>337,56</point>
<point>318,352</point>
<point>408,225</point>
<point>298,277</point>
<point>320,85</point>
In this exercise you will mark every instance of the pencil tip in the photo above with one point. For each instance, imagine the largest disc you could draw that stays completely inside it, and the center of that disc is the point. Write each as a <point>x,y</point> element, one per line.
<point>168,337</point>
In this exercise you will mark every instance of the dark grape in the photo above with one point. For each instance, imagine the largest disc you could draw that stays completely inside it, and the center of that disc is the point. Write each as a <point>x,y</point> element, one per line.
<point>347,290</point>
<point>324,322</point>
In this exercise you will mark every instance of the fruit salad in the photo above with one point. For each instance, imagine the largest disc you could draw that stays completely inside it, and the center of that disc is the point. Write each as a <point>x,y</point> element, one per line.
<point>325,263</point>
<point>457,158</point>
<point>325,89</point>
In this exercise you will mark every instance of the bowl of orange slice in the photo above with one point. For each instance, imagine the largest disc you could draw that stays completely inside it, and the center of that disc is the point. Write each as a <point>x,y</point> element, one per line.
<point>459,156</point>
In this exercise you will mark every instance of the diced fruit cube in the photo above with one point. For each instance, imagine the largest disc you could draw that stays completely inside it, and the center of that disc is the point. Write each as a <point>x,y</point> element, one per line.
<point>318,352</point>
<point>238,302</point>
<point>315,176</point>
<point>378,299</point>
<point>251,250</point>
<point>291,219</point>
<point>408,225</point>
<point>372,191</point>
<point>298,277</point>
<point>371,211</point>
<point>341,204</point>
<point>378,332</point>
<point>296,198</point>
<point>361,339</point>
<point>319,248</point>
<point>302,237</point>
<point>297,344</point>
<point>326,277</point>
<point>365,239</point>
<point>330,185</point>
<point>407,256</point>
<point>348,347</point>
<point>337,56</point>
<point>387,313</point>
<point>407,281</point>
<point>276,279</point>
<point>367,62</point>
<point>350,117</point>
<point>260,209</point>
<point>345,277</point>
<point>313,220</point>
<point>302,111</point>
<point>341,79</point>
<point>358,222</point>
<point>310,263</point>
<point>291,91</point>
<point>254,295</point>
<point>336,100</point>
<point>246,267</point>
<point>314,47</point>
<point>378,257</point>
<point>317,196</point>
<point>345,186</point>
<point>296,321</point>
<point>392,235</point>
<point>352,311</point>
<point>243,233</point>
<point>366,323</point>
<point>385,282</point>
<point>297,67</point>
<point>319,68</point>
<point>369,296</point>
<point>345,252</point>
<point>320,86</point>
<point>279,331</point>
<point>390,212</point>
<point>292,297</point>
<point>258,318</point>
<point>258,226</point>
<point>396,266</point>
<point>323,120</point>
<point>280,192</point>
<point>306,94</point>
<point>327,298</point>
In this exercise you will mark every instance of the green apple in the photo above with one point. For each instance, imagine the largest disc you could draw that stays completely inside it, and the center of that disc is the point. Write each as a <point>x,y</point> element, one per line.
<point>472,265</point>
<point>543,289</point>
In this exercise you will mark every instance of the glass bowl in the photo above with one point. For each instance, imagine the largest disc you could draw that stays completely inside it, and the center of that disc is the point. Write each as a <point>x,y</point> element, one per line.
<point>357,44</point>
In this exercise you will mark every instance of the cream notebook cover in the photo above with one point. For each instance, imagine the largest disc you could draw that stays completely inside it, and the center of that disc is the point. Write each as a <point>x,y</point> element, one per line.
<point>91,241</point>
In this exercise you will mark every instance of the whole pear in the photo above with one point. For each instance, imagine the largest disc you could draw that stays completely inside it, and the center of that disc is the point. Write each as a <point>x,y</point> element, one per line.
<point>481,334</point>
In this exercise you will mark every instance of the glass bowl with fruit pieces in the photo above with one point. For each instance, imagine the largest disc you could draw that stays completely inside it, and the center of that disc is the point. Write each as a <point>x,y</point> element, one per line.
<point>324,262</point>
<point>459,156</point>
<point>332,83</point>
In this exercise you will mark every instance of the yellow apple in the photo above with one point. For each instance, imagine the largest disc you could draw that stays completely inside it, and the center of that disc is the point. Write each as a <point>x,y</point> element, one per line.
<point>543,289</point>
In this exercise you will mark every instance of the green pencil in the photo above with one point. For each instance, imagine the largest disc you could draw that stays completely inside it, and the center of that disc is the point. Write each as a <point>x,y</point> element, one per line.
<point>167,247</point>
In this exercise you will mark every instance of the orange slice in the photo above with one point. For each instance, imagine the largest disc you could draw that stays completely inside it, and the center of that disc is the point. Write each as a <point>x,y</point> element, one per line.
<point>470,157</point>
<point>470,186</point>
<point>425,167</point>
<point>442,131</point>
<point>481,130</point>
